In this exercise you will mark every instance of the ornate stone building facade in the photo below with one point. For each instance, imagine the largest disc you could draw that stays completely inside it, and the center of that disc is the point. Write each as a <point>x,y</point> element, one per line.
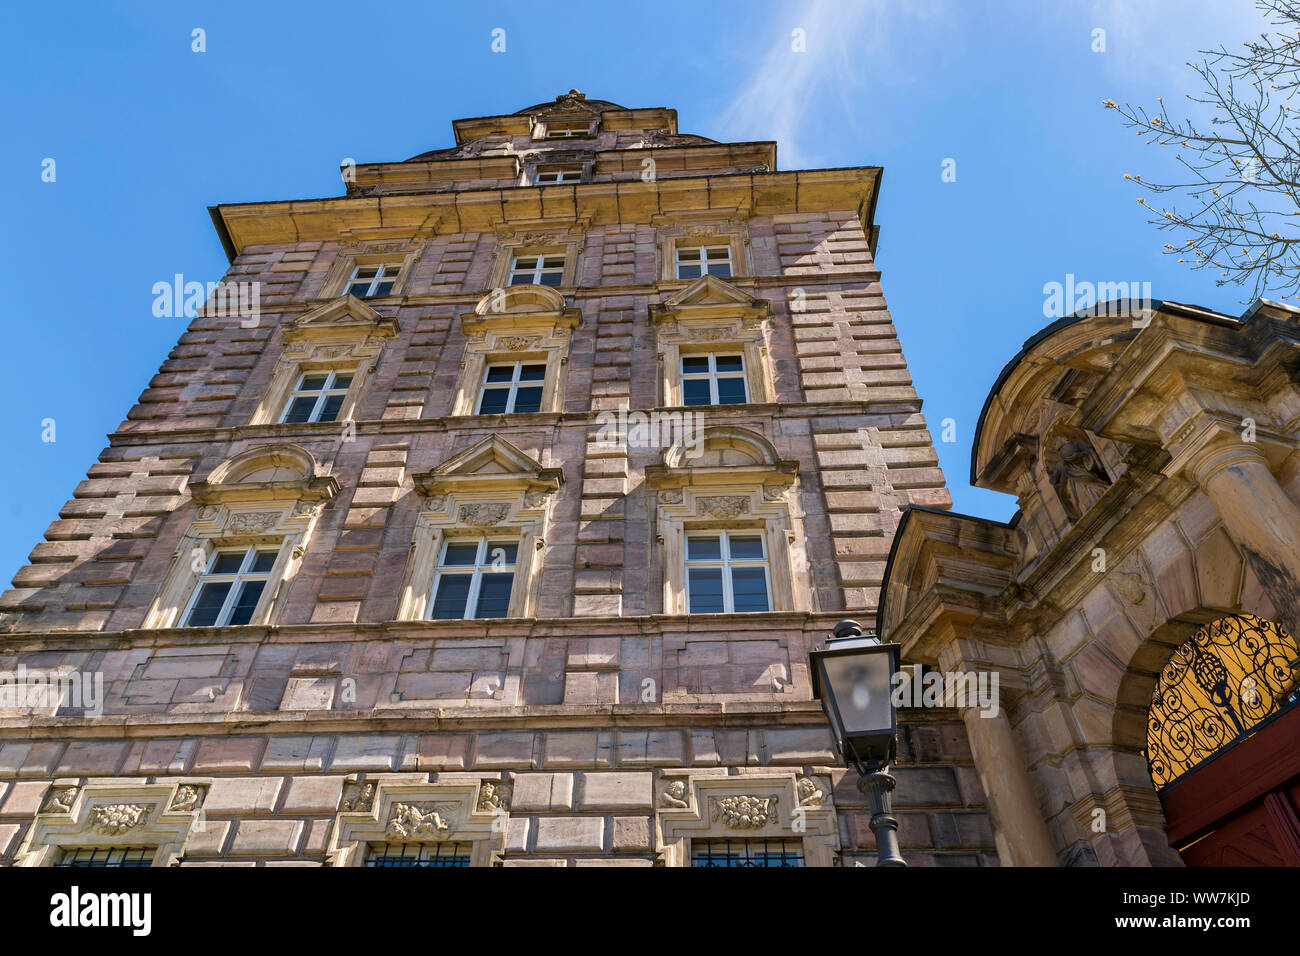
<point>1141,607</point>
<point>500,536</point>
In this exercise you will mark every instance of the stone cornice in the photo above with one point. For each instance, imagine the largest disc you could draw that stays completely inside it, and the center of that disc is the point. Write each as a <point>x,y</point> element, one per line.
<point>316,431</point>
<point>481,210</point>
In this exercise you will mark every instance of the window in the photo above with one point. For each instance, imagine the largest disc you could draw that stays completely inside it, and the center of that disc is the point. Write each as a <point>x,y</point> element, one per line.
<point>550,175</point>
<point>566,129</point>
<point>374,280</point>
<point>419,854</point>
<point>117,856</point>
<point>713,380</point>
<point>228,592</point>
<point>508,388</point>
<point>726,573</point>
<point>474,579</point>
<point>703,260</point>
<point>537,270</point>
<point>317,397</point>
<point>746,853</point>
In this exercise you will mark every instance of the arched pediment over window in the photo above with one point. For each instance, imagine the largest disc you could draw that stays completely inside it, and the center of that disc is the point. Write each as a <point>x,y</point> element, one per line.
<point>521,298</point>
<point>281,470</point>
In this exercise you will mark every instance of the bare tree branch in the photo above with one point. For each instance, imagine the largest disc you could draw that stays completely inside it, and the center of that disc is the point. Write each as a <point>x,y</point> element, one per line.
<point>1243,184</point>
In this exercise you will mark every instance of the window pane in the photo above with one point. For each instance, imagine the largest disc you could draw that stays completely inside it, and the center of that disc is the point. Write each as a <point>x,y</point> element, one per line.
<point>500,373</point>
<point>718,254</point>
<point>342,381</point>
<point>688,272</point>
<point>384,288</point>
<point>359,289</point>
<point>208,605</point>
<point>228,562</point>
<point>494,595</point>
<point>731,391</point>
<point>300,410</point>
<point>706,590</point>
<point>695,391</point>
<point>460,555</point>
<point>528,399</point>
<point>526,264</point>
<point>532,373</point>
<point>242,612</point>
<point>695,363</point>
<point>746,548</point>
<point>688,255</point>
<point>493,401</point>
<point>720,269</point>
<point>312,383</point>
<point>730,363</point>
<point>453,591</point>
<point>750,587</point>
<point>521,278</point>
<point>703,549</point>
<point>502,554</point>
<point>263,561</point>
<point>330,411</point>
<point>551,279</point>
<point>367,272</point>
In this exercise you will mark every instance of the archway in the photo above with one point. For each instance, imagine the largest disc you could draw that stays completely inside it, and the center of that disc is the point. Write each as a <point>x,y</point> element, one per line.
<point>1221,733</point>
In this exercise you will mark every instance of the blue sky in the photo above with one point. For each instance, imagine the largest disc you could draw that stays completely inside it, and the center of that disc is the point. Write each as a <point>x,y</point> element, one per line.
<point>146,133</point>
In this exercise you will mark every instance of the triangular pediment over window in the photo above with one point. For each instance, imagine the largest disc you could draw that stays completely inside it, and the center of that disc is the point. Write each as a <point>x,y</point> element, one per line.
<point>492,463</point>
<point>346,316</point>
<point>707,297</point>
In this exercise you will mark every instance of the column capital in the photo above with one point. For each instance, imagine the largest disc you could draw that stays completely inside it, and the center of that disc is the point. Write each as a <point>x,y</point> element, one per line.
<point>1214,456</point>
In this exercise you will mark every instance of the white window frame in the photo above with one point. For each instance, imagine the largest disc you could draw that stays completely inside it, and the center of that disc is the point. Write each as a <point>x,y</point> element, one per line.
<point>384,272</point>
<point>568,129</point>
<point>726,563</point>
<point>482,565</point>
<point>712,375</point>
<point>541,268</point>
<point>558,174</point>
<point>237,580</point>
<point>322,394</point>
<point>513,385</point>
<point>704,261</point>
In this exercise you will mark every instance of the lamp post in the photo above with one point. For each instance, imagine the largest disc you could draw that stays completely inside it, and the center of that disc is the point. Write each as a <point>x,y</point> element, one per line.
<point>853,678</point>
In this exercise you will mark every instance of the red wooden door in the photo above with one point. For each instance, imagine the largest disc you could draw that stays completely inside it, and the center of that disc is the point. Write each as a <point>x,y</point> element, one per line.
<point>1240,809</point>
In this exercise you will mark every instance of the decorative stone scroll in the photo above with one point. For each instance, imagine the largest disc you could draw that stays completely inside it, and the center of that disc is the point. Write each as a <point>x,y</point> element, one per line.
<point>459,808</point>
<point>110,814</point>
<point>781,805</point>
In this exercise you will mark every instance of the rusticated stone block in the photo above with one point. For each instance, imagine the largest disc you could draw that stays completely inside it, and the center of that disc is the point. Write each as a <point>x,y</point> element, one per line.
<point>615,791</point>
<point>542,791</point>
<point>573,834</point>
<point>243,796</point>
<point>311,794</point>
<point>630,833</point>
<point>266,837</point>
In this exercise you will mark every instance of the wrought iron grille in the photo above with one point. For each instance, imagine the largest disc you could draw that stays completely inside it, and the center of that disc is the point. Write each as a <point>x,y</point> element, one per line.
<point>104,856</point>
<point>746,853</point>
<point>1229,677</point>
<point>418,854</point>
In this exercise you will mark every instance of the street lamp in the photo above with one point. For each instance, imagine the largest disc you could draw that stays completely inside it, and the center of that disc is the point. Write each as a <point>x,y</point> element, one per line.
<point>853,678</point>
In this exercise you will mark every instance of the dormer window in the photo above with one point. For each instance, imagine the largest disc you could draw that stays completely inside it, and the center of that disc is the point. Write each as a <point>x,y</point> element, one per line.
<point>552,175</point>
<point>567,129</point>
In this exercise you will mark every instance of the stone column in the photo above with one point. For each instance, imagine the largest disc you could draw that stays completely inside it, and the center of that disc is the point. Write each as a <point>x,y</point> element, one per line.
<point>1259,516</point>
<point>1018,824</point>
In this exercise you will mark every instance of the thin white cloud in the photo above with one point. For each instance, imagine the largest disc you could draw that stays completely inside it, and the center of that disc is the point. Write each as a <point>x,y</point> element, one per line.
<point>847,46</point>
